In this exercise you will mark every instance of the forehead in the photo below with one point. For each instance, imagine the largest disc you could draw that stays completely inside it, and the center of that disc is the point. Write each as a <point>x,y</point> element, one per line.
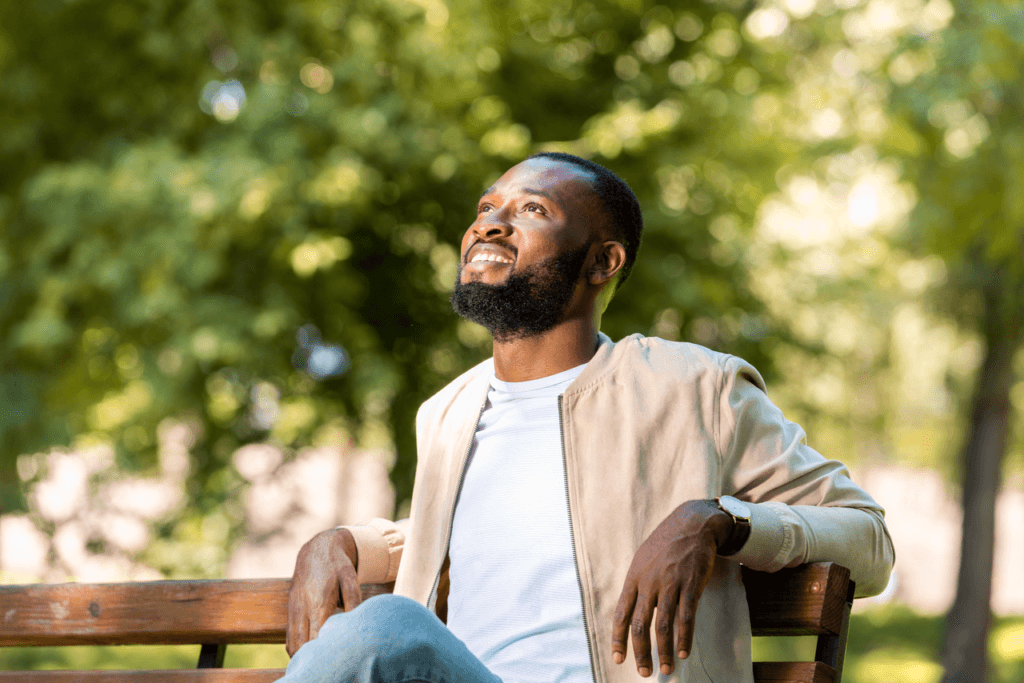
<point>561,181</point>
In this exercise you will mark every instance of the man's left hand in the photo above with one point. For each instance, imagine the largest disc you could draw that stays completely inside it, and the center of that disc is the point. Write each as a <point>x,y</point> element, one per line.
<point>669,571</point>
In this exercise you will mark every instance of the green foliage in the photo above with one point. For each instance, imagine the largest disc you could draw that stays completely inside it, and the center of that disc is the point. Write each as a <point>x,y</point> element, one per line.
<point>101,657</point>
<point>163,241</point>
<point>969,165</point>
<point>165,244</point>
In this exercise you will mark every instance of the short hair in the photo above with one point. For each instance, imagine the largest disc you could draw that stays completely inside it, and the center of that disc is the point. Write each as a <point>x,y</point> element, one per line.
<point>620,204</point>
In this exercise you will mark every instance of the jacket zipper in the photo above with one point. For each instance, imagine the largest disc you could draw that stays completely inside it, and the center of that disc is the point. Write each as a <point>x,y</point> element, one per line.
<point>458,492</point>
<point>572,538</point>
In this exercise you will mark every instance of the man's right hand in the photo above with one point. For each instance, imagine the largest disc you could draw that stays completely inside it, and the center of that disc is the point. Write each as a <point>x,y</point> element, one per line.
<point>324,580</point>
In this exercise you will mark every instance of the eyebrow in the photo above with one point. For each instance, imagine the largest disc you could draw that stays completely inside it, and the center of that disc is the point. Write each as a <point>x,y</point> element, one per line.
<point>541,193</point>
<point>526,190</point>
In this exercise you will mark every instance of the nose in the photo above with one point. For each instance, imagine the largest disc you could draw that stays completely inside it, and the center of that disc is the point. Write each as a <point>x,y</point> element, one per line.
<point>493,226</point>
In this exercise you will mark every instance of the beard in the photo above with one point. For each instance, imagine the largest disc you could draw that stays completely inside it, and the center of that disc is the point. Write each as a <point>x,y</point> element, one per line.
<point>527,303</point>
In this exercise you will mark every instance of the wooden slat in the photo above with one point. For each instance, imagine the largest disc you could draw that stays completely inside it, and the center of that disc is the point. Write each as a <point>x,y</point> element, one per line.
<point>805,600</point>
<point>793,672</point>
<point>764,672</point>
<point>150,612</point>
<point>166,676</point>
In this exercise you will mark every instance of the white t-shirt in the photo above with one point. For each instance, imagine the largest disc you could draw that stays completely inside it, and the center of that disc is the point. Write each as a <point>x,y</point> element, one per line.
<point>515,596</point>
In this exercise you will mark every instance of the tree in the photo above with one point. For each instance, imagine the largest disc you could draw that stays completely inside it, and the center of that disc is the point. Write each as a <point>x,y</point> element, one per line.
<point>965,118</point>
<point>242,215</point>
<point>939,97</point>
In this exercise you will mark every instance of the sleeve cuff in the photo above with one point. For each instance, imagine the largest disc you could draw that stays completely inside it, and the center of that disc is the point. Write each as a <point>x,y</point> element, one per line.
<point>768,539</point>
<point>374,558</point>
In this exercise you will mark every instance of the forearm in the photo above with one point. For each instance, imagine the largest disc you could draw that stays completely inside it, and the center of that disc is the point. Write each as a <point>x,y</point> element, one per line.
<point>785,536</point>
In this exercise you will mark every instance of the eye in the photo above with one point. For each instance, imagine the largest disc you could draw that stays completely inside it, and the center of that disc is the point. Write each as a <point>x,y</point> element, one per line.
<point>483,208</point>
<point>534,207</point>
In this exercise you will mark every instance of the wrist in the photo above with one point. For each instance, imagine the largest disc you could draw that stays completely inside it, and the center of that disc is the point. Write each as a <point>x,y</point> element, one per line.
<point>737,538</point>
<point>723,528</point>
<point>345,542</point>
<point>739,524</point>
<point>709,519</point>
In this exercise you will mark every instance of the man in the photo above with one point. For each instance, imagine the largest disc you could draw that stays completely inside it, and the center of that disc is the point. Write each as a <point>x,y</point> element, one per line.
<point>572,493</point>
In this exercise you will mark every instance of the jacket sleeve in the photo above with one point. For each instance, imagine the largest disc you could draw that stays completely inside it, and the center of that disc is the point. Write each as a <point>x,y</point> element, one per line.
<point>379,544</point>
<point>804,508</point>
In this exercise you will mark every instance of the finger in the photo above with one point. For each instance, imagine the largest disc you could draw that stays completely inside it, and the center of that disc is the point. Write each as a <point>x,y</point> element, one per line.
<point>351,593</point>
<point>667,606</point>
<point>620,622</point>
<point>688,600</point>
<point>298,629</point>
<point>640,630</point>
<point>318,617</point>
<point>684,623</point>
<point>329,603</point>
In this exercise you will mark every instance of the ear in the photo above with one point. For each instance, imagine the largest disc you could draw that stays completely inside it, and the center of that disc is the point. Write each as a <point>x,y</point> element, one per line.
<point>608,261</point>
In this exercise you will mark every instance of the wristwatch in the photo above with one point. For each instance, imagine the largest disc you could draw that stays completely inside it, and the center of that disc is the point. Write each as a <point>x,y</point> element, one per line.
<point>740,513</point>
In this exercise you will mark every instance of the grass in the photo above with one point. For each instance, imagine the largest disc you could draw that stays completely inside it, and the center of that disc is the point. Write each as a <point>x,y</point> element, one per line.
<point>896,645</point>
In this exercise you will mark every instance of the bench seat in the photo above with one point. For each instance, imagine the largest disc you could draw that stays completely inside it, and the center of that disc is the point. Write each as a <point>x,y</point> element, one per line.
<point>813,599</point>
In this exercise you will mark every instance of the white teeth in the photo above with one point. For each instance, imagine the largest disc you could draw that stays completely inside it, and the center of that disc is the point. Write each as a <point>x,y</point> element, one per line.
<point>489,257</point>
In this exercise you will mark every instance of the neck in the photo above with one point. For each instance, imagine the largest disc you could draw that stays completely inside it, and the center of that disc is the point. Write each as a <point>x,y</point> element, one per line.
<point>563,347</point>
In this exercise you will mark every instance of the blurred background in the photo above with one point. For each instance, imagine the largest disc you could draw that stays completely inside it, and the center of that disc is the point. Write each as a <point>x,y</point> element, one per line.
<point>228,231</point>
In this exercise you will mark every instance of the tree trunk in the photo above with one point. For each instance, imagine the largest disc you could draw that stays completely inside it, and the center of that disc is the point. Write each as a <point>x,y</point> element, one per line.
<point>965,646</point>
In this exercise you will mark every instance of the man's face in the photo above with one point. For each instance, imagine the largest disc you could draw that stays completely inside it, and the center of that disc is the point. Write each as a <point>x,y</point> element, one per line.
<point>523,255</point>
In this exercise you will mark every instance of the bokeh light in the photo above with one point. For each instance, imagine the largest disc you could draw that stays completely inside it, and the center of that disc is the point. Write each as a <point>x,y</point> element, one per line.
<point>223,99</point>
<point>321,360</point>
<point>315,76</point>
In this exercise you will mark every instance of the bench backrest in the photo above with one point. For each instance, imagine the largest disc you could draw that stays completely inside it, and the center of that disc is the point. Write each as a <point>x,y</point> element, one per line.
<point>809,600</point>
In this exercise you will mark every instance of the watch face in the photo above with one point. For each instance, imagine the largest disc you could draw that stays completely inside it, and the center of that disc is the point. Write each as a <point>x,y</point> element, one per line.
<point>734,507</point>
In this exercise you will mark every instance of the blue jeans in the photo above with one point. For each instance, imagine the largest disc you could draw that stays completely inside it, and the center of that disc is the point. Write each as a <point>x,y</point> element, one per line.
<point>386,639</point>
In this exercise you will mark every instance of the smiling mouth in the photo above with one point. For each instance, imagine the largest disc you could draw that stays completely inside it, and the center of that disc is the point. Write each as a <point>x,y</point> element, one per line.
<point>490,257</point>
<point>485,252</point>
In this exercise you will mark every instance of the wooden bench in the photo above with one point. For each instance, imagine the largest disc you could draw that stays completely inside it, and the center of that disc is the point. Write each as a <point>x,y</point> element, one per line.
<point>813,599</point>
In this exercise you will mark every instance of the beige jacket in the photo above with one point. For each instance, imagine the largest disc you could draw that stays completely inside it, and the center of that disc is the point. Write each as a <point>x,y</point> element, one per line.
<point>648,425</point>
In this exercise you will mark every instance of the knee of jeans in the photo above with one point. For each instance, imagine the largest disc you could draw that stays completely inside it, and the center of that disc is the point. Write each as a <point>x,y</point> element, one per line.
<point>395,621</point>
<point>393,607</point>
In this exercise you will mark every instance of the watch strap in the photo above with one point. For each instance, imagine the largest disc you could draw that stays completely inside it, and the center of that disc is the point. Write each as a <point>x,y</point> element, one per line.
<point>740,532</point>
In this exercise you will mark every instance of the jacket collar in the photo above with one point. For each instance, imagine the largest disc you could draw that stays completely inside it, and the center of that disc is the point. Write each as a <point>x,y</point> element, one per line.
<point>609,353</point>
<point>603,363</point>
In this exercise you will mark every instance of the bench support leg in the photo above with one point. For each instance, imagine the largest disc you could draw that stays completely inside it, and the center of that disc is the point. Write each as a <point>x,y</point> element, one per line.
<point>211,656</point>
<point>832,649</point>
